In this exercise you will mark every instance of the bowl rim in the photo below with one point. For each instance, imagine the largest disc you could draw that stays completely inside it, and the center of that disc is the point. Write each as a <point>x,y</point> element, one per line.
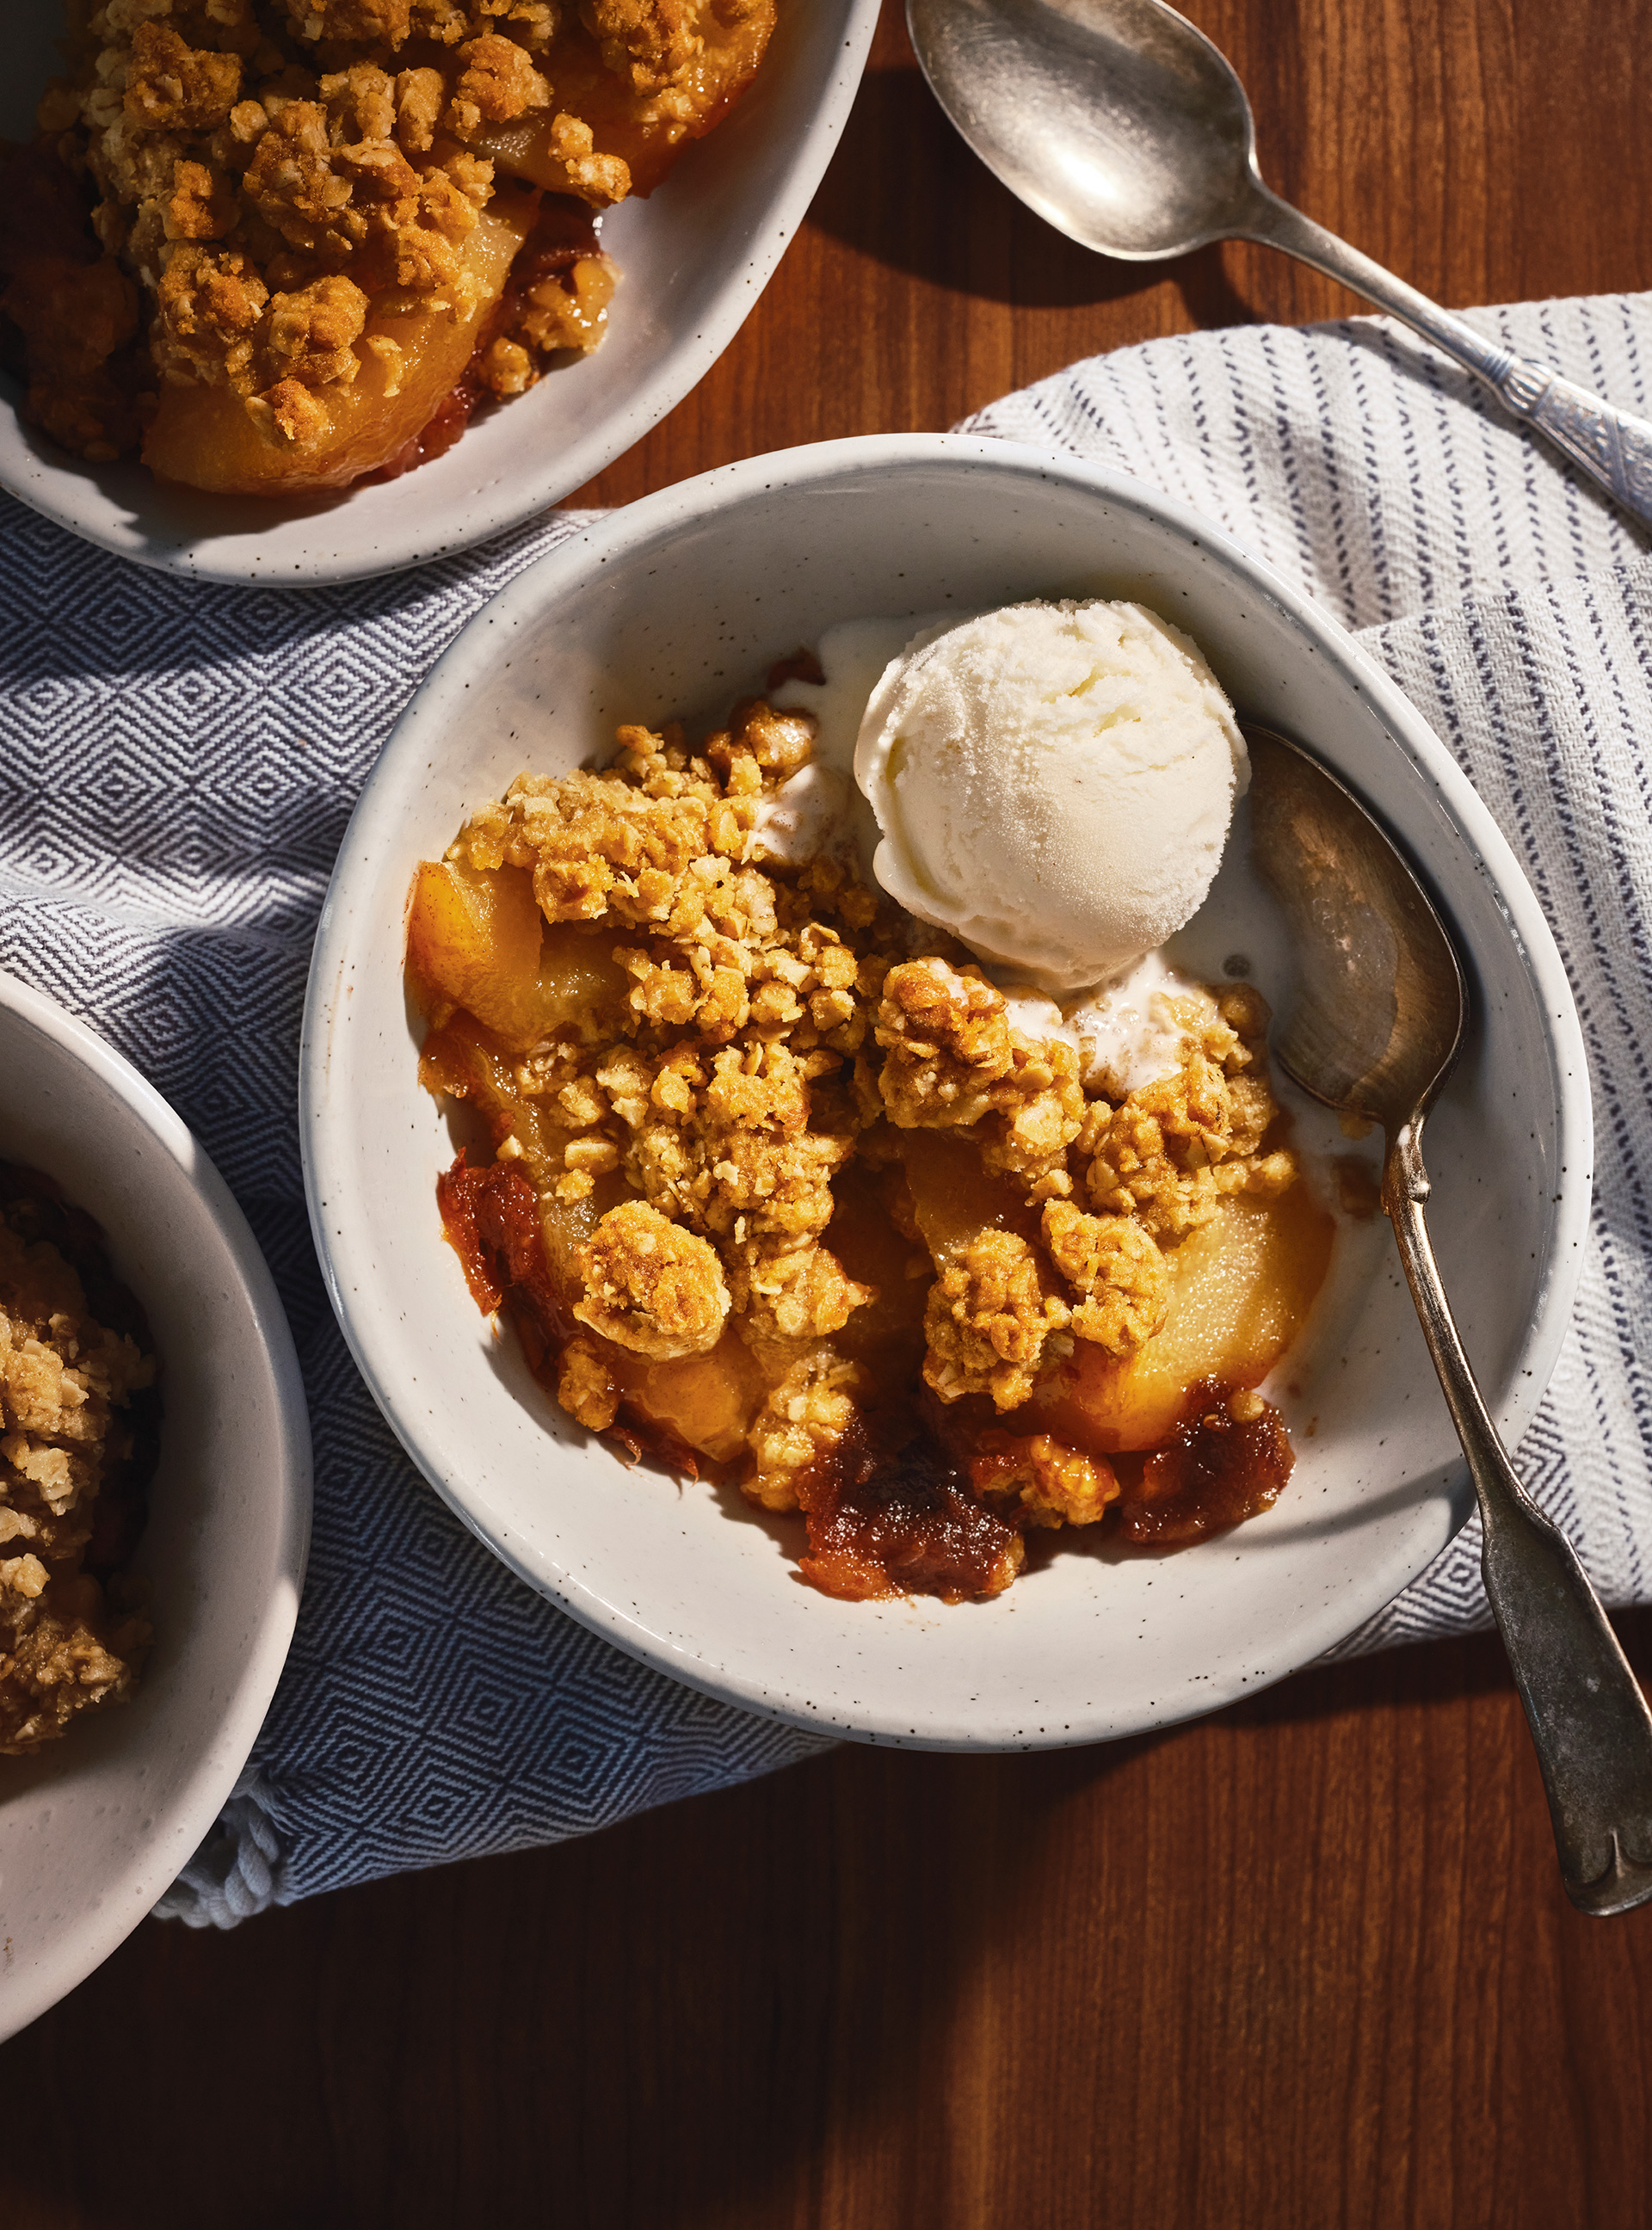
<point>43,1977</point>
<point>698,502</point>
<point>233,555</point>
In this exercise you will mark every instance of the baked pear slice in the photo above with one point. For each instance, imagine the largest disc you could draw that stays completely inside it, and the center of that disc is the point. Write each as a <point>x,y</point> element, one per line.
<point>207,438</point>
<point>646,128</point>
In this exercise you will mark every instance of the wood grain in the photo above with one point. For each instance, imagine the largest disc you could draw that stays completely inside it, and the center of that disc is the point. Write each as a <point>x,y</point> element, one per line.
<point>1485,152</point>
<point>1305,1964</point>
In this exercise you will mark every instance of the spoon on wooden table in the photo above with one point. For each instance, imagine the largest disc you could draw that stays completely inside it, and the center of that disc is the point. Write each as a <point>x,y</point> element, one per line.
<point>1122,125</point>
<point>1374,1029</point>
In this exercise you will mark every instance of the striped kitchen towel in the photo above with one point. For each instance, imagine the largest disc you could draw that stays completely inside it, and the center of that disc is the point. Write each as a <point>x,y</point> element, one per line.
<point>177,766</point>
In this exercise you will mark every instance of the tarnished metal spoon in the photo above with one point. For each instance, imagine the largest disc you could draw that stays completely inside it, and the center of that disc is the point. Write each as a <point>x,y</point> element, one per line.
<point>1374,1029</point>
<point>1124,128</point>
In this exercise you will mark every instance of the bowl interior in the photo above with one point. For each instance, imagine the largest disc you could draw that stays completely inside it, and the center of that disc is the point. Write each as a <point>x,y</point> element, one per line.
<point>676,607</point>
<point>694,259</point>
<point>93,1828</point>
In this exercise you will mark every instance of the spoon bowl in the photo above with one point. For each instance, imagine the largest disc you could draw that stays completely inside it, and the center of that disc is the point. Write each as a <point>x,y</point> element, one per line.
<point>1373,1030</point>
<point>1381,1003</point>
<point>1116,120</point>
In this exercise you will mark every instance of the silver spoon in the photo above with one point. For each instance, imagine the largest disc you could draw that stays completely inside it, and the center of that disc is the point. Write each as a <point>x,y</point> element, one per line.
<point>1376,1022</point>
<point>1124,128</point>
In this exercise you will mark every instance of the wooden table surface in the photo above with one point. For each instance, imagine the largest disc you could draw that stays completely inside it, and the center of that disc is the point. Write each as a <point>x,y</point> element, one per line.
<point>1305,1964</point>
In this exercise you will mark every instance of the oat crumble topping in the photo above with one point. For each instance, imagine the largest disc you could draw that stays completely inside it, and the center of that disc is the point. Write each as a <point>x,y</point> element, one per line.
<point>274,184</point>
<point>753,1038</point>
<point>65,1387</point>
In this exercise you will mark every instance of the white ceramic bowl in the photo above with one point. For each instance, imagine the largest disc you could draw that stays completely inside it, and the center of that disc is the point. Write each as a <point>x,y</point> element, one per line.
<point>675,605</point>
<point>694,257</point>
<point>95,1828</point>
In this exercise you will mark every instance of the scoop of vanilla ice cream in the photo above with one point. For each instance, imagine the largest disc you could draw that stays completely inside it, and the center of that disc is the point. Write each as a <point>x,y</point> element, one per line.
<point>1053,783</point>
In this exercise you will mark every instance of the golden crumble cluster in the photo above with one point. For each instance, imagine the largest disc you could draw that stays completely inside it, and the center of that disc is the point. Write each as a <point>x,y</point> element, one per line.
<point>1151,1167</point>
<point>772,1038</point>
<point>272,182</point>
<point>737,1090</point>
<point>66,1382</point>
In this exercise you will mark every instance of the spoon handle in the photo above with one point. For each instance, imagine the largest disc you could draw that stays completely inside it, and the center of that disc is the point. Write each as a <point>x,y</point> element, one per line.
<point>1612,447</point>
<point>1589,1720</point>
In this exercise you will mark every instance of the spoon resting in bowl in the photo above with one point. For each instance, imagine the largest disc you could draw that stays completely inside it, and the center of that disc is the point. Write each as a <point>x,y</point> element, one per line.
<point>1123,127</point>
<point>1374,1029</point>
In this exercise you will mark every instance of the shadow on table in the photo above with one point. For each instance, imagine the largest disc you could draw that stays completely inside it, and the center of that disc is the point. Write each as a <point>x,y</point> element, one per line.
<point>1423,1672</point>
<point>718,2013</point>
<point>905,189</point>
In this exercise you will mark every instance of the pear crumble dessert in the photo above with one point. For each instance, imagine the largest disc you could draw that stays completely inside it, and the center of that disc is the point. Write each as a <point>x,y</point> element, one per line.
<point>281,245</point>
<point>79,1425</point>
<point>785,1188</point>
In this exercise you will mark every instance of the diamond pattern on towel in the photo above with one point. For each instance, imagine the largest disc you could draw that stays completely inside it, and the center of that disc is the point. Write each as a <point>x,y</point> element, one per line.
<point>177,765</point>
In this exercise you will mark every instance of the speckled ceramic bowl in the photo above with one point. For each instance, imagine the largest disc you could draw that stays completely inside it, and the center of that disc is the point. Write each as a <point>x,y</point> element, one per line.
<point>93,1828</point>
<point>677,605</point>
<point>694,259</point>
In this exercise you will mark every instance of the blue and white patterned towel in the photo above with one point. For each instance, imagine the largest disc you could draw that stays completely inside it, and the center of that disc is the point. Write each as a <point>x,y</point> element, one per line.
<point>177,767</point>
